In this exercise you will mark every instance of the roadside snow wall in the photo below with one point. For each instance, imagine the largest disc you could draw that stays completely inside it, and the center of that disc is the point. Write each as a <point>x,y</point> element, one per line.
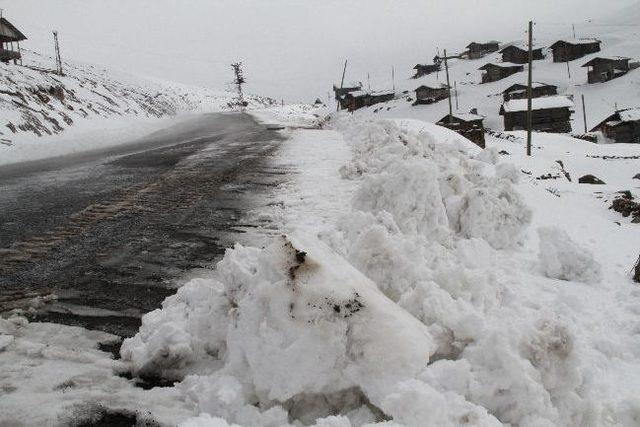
<point>415,308</point>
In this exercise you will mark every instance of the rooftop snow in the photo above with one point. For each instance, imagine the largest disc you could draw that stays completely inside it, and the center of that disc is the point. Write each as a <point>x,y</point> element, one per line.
<point>543,103</point>
<point>500,65</point>
<point>577,41</point>
<point>606,58</point>
<point>630,115</point>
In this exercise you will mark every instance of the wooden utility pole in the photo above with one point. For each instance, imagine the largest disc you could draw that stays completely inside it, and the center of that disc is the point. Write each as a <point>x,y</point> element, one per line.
<point>568,69</point>
<point>369,82</point>
<point>574,30</point>
<point>584,114</point>
<point>393,78</point>
<point>455,91</point>
<point>239,81</point>
<point>58,58</point>
<point>446,68</point>
<point>529,83</point>
<point>344,71</point>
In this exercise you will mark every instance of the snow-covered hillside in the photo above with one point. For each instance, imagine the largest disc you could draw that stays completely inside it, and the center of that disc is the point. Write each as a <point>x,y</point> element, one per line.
<point>601,99</point>
<point>35,102</point>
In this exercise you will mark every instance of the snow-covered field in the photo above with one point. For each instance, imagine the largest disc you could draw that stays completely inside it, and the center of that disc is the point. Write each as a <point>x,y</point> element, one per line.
<point>403,277</point>
<point>43,114</point>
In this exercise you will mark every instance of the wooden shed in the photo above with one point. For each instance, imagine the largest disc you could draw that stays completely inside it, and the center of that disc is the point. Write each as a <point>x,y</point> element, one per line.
<point>470,125</point>
<point>477,50</point>
<point>519,55</point>
<point>359,99</point>
<point>603,69</point>
<point>623,126</point>
<point>10,38</point>
<point>495,72</point>
<point>519,91</point>
<point>568,50</point>
<point>430,94</point>
<point>423,70</point>
<point>548,114</point>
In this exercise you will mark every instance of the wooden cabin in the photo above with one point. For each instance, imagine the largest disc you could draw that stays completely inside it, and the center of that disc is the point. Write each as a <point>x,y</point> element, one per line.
<point>423,70</point>
<point>429,95</point>
<point>568,50</point>
<point>470,125</point>
<point>341,90</point>
<point>359,99</point>
<point>477,50</point>
<point>622,127</point>
<point>548,114</point>
<point>10,38</point>
<point>603,69</point>
<point>519,91</point>
<point>518,55</point>
<point>495,72</point>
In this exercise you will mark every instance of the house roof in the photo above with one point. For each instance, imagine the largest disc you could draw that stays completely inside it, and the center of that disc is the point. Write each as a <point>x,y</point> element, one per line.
<point>620,116</point>
<point>441,86</point>
<point>576,42</point>
<point>482,43</point>
<point>10,33</point>
<point>463,117</point>
<point>519,46</point>
<point>501,65</point>
<point>361,93</point>
<point>521,86</point>
<point>544,103</point>
<point>606,59</point>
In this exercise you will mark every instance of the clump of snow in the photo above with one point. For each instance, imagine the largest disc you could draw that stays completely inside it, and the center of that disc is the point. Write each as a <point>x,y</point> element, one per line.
<point>562,258</point>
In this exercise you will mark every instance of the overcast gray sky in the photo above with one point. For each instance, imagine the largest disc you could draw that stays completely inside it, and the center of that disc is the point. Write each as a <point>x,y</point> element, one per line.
<point>292,49</point>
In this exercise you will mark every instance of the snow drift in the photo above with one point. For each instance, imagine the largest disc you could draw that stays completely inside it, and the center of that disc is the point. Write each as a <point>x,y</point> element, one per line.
<point>419,307</point>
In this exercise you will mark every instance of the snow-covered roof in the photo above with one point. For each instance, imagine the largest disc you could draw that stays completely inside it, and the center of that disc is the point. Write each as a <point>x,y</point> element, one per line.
<point>501,65</point>
<point>521,46</point>
<point>347,85</point>
<point>465,117</point>
<point>10,33</point>
<point>605,58</point>
<point>440,86</point>
<point>522,86</point>
<point>577,41</point>
<point>488,42</point>
<point>543,103</point>
<point>359,93</point>
<point>629,114</point>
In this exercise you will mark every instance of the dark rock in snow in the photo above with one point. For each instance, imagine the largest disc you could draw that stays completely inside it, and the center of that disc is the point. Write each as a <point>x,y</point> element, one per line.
<point>636,176</point>
<point>590,179</point>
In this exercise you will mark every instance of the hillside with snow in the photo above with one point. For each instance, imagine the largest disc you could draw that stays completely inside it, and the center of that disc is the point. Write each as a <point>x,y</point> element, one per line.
<point>37,104</point>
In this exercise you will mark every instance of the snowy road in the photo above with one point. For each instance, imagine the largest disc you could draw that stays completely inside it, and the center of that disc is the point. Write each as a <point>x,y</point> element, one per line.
<point>109,233</point>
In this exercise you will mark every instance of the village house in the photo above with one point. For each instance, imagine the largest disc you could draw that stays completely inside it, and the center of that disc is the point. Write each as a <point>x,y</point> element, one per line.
<point>10,38</point>
<point>495,72</point>
<point>478,50</point>
<point>603,69</point>
<point>341,90</point>
<point>470,125</point>
<point>518,55</point>
<point>423,70</point>
<point>622,127</point>
<point>548,114</point>
<point>355,100</point>
<point>568,50</point>
<point>429,95</point>
<point>519,91</point>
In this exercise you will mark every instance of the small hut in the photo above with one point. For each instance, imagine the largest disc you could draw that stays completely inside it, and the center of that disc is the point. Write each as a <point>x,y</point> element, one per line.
<point>10,38</point>
<point>568,50</point>
<point>477,50</point>
<point>519,91</point>
<point>358,99</point>
<point>623,126</point>
<point>518,55</point>
<point>423,70</point>
<point>548,114</point>
<point>430,94</point>
<point>603,69</point>
<point>495,72</point>
<point>470,125</point>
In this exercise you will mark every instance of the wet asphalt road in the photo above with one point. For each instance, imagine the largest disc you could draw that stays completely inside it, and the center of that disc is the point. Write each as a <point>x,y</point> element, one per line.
<point>109,233</point>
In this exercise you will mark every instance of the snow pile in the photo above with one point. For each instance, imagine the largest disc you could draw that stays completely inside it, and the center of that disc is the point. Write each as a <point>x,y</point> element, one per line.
<point>561,258</point>
<point>419,306</point>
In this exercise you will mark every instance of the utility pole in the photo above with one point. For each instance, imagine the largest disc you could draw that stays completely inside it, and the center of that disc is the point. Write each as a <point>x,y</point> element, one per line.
<point>58,59</point>
<point>239,81</point>
<point>574,30</point>
<point>344,71</point>
<point>455,91</point>
<point>446,67</point>
<point>393,78</point>
<point>368,82</point>
<point>584,114</point>
<point>529,83</point>
<point>568,69</point>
